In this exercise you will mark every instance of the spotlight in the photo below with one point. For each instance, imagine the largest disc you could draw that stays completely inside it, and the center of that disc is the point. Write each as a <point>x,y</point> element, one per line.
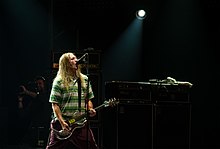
<point>141,14</point>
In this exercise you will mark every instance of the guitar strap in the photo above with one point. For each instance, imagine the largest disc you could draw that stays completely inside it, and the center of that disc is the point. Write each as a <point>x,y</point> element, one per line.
<point>79,94</point>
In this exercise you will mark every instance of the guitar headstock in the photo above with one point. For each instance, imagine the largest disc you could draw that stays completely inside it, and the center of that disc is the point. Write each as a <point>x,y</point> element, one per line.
<point>111,102</point>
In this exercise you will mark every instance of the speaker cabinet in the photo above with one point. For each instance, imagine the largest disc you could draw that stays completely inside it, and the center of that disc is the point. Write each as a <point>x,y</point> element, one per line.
<point>147,126</point>
<point>97,132</point>
<point>172,124</point>
<point>95,80</point>
<point>128,126</point>
<point>4,127</point>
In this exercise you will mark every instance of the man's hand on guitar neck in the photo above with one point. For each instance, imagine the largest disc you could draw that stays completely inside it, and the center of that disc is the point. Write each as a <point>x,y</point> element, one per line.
<point>92,112</point>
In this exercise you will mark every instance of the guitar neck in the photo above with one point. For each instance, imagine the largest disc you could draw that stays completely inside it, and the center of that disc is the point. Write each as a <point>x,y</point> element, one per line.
<point>100,107</point>
<point>77,118</point>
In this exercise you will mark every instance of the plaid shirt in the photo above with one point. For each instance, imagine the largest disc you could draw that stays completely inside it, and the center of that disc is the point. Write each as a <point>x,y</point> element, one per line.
<point>67,99</point>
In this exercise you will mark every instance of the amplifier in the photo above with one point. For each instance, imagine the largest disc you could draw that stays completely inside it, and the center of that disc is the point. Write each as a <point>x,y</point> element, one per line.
<point>170,93</point>
<point>146,92</point>
<point>128,92</point>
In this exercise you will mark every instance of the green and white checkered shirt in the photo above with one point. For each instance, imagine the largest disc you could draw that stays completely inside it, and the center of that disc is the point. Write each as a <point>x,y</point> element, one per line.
<point>67,99</point>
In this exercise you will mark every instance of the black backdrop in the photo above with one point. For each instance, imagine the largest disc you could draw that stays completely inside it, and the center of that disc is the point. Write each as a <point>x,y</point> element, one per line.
<point>29,36</point>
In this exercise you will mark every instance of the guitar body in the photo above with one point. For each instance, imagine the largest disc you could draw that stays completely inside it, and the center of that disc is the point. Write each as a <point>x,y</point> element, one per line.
<point>77,121</point>
<point>62,134</point>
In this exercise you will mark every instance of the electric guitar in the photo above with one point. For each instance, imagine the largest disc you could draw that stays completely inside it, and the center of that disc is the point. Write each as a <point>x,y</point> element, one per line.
<point>78,120</point>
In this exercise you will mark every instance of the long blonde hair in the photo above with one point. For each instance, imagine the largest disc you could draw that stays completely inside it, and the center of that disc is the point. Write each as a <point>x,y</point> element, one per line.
<point>65,71</point>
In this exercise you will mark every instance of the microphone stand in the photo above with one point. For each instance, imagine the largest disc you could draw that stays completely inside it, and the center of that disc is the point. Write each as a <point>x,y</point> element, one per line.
<point>85,59</point>
<point>86,102</point>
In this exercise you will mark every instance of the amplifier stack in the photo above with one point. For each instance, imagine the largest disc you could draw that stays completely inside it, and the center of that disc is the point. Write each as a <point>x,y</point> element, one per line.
<point>149,116</point>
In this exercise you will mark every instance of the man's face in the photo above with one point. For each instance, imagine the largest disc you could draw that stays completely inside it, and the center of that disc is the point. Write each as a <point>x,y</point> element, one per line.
<point>40,85</point>
<point>73,60</point>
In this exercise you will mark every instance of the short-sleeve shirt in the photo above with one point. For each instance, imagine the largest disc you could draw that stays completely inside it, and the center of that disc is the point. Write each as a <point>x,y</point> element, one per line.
<point>67,99</point>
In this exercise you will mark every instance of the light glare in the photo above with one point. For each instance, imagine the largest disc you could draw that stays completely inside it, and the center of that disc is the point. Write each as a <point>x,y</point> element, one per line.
<point>140,14</point>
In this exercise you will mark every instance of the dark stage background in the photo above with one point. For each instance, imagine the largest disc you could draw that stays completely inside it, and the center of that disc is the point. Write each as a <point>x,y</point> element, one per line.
<point>178,38</point>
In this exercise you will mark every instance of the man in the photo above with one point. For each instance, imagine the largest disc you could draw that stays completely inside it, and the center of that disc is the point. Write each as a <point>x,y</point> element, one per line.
<point>34,113</point>
<point>70,97</point>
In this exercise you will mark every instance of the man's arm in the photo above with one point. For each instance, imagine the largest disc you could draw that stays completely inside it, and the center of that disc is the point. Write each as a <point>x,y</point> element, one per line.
<point>27,92</point>
<point>58,113</point>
